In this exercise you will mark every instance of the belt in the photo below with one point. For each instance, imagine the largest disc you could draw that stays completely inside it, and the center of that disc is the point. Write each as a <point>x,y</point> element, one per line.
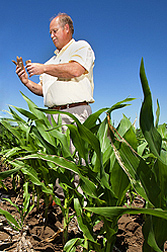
<point>69,105</point>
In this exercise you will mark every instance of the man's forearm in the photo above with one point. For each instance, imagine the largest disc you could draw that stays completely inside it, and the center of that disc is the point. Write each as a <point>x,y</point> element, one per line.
<point>67,70</point>
<point>34,87</point>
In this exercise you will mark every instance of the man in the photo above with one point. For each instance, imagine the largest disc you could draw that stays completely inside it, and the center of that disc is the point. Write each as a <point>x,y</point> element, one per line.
<point>66,80</point>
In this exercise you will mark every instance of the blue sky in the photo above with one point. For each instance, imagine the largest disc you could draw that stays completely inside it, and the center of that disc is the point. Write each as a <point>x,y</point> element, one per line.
<point>120,32</point>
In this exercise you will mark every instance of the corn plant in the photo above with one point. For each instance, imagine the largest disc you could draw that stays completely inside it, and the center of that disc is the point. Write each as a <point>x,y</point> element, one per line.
<point>117,160</point>
<point>7,140</point>
<point>147,174</point>
<point>31,137</point>
<point>94,147</point>
<point>23,210</point>
<point>35,158</point>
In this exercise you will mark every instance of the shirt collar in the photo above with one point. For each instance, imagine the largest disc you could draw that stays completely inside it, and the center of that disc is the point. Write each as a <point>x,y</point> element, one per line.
<point>57,52</point>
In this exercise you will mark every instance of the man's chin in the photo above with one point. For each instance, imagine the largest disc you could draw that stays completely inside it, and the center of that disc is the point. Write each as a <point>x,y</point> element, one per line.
<point>55,42</point>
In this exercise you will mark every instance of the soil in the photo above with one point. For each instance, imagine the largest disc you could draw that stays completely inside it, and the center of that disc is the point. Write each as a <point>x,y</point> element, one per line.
<point>41,235</point>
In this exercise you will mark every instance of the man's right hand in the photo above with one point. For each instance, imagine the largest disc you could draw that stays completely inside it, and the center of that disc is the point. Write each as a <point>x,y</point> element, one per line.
<point>22,74</point>
<point>32,86</point>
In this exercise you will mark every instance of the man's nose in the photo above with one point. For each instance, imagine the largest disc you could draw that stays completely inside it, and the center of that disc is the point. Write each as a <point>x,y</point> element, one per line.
<point>51,34</point>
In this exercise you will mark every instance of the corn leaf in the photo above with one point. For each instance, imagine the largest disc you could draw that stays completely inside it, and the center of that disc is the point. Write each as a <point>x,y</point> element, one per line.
<point>92,119</point>
<point>85,133</point>
<point>82,225</point>
<point>160,169</point>
<point>116,212</point>
<point>157,114</point>
<point>146,116</point>
<point>43,131</point>
<point>120,104</point>
<point>71,244</point>
<point>64,143</point>
<point>149,232</point>
<point>14,131</point>
<point>35,111</point>
<point>11,220</point>
<point>60,161</point>
<point>8,173</point>
<point>26,113</point>
<point>15,115</point>
<point>78,142</point>
<point>31,173</point>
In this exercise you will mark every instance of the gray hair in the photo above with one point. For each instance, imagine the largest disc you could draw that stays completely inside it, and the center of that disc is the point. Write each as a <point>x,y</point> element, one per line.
<point>65,19</point>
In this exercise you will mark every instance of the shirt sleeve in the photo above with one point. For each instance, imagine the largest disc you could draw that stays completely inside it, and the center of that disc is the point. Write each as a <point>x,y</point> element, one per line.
<point>40,80</point>
<point>83,54</point>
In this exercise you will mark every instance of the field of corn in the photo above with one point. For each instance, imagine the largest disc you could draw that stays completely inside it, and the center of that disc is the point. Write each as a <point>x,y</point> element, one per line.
<point>120,165</point>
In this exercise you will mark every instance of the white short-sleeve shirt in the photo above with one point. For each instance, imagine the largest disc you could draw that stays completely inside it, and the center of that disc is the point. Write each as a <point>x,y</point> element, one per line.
<point>59,91</point>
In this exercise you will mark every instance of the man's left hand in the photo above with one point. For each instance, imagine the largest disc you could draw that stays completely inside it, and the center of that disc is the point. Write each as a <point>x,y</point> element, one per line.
<point>35,69</point>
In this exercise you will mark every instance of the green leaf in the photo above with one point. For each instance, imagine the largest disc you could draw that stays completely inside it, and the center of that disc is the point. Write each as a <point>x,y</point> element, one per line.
<point>15,115</point>
<point>119,182</point>
<point>78,142</point>
<point>162,129</point>
<point>26,197</point>
<point>126,130</point>
<point>160,169</point>
<point>141,148</point>
<point>11,220</point>
<point>157,114</point>
<point>140,173</point>
<point>92,119</point>
<point>102,136</point>
<point>60,161</point>
<point>6,174</point>
<point>82,225</point>
<point>116,212</point>
<point>43,131</point>
<point>26,113</point>
<point>13,204</point>
<point>72,244</point>
<point>88,186</point>
<point>120,104</point>
<point>31,173</point>
<point>146,116</point>
<point>12,152</point>
<point>34,109</point>
<point>149,236</point>
<point>64,143</point>
<point>85,133</point>
<point>14,131</point>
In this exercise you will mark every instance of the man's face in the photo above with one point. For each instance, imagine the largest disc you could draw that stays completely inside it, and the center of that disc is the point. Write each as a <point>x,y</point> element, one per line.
<point>58,33</point>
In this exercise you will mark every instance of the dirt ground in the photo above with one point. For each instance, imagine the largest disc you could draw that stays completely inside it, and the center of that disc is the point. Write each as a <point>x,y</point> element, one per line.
<point>42,236</point>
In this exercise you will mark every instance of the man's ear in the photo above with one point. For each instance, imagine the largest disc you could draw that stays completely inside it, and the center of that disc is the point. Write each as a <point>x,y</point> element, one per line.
<point>67,28</point>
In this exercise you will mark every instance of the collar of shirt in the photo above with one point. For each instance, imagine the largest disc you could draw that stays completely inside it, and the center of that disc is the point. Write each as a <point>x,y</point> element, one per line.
<point>57,52</point>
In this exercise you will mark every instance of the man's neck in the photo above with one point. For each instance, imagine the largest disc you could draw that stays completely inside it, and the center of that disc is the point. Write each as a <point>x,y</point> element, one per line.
<point>57,51</point>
